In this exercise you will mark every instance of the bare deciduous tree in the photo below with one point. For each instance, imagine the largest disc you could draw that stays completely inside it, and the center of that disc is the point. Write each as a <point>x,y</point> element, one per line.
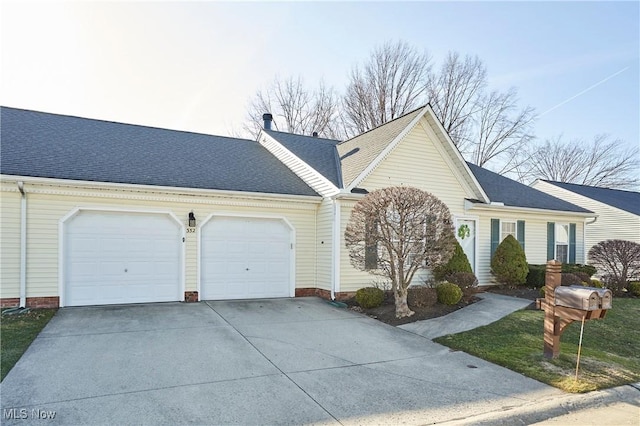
<point>499,131</point>
<point>391,83</point>
<point>295,108</point>
<point>603,162</point>
<point>617,261</point>
<point>453,93</point>
<point>394,232</point>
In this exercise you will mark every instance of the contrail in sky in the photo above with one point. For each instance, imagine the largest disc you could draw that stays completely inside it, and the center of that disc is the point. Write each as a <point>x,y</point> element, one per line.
<point>582,92</point>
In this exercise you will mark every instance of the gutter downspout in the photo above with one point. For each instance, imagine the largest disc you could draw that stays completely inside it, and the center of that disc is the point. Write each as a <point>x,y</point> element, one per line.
<point>335,246</point>
<point>584,238</point>
<point>23,245</point>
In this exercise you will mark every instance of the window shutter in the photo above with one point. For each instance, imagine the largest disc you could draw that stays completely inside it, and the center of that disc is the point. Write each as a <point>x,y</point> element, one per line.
<point>551,240</point>
<point>572,243</point>
<point>495,235</point>
<point>371,245</point>
<point>520,233</point>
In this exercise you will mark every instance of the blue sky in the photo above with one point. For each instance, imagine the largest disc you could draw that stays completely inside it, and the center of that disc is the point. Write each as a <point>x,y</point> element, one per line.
<point>195,65</point>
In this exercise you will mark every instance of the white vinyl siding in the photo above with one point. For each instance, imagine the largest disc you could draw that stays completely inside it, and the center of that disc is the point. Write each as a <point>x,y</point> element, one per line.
<point>47,204</point>
<point>419,162</point>
<point>10,243</point>
<point>612,223</point>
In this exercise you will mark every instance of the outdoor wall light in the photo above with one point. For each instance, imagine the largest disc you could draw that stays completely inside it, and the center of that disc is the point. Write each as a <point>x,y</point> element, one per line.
<point>192,220</point>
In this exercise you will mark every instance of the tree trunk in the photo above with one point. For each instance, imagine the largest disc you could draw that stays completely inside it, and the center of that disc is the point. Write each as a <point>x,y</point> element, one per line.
<point>402,308</point>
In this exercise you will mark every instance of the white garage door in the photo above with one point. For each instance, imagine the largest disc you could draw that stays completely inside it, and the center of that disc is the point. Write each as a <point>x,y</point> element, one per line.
<point>245,258</point>
<point>113,258</point>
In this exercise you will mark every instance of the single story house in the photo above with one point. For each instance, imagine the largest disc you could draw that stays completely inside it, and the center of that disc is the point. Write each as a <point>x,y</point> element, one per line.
<point>96,212</point>
<point>618,211</point>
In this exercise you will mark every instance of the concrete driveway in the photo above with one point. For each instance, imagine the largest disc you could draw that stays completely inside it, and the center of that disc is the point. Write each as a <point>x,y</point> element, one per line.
<point>294,361</point>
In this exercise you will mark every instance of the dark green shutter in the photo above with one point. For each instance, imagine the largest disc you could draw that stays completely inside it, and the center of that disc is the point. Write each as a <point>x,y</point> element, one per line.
<point>572,243</point>
<point>551,240</point>
<point>520,233</point>
<point>371,245</point>
<point>495,235</point>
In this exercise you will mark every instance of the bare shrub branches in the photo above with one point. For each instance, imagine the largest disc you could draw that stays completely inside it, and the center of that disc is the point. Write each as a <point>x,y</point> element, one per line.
<point>618,261</point>
<point>407,228</point>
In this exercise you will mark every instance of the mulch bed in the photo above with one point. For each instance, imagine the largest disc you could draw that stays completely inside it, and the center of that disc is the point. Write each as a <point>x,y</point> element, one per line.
<point>424,302</point>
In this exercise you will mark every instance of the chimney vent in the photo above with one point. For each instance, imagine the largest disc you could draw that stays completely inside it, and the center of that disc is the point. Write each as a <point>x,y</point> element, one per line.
<point>268,118</point>
<point>315,134</point>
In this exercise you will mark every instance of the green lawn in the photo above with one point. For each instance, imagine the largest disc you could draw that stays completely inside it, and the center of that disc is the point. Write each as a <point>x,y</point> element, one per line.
<point>610,348</point>
<point>16,334</point>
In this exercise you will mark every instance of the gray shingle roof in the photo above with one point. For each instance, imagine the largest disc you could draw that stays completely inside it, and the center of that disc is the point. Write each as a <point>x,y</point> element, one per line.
<point>357,153</point>
<point>319,153</point>
<point>57,146</point>
<point>515,194</point>
<point>628,201</point>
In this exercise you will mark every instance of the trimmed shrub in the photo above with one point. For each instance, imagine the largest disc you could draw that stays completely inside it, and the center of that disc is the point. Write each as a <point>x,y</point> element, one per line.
<point>369,297</point>
<point>463,280</point>
<point>570,279</point>
<point>596,283</point>
<point>618,261</point>
<point>458,263</point>
<point>509,263</point>
<point>577,267</point>
<point>448,293</point>
<point>536,276</point>
<point>421,296</point>
<point>634,288</point>
<point>584,277</point>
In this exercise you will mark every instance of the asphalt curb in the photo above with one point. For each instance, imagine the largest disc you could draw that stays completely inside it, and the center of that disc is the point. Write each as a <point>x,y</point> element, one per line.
<point>549,408</point>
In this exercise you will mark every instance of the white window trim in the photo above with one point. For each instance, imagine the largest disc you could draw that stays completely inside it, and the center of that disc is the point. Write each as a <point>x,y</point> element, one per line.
<point>515,223</point>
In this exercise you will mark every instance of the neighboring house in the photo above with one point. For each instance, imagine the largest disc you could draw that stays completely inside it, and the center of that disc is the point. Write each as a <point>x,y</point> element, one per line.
<point>618,211</point>
<point>96,212</point>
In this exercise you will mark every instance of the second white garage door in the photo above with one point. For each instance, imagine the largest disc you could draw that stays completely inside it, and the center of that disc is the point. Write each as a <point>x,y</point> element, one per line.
<point>245,258</point>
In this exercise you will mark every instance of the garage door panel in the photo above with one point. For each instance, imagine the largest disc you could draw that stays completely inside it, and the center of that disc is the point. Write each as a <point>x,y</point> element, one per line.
<point>245,258</point>
<point>114,257</point>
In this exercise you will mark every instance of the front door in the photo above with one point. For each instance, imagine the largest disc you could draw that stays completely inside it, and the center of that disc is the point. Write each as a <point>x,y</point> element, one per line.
<point>466,235</point>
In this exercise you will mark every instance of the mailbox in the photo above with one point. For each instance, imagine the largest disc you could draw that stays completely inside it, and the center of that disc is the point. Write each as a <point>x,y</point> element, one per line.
<point>578,297</point>
<point>605,295</point>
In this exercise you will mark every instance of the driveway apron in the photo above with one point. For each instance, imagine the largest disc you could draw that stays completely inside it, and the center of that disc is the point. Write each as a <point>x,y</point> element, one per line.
<point>278,361</point>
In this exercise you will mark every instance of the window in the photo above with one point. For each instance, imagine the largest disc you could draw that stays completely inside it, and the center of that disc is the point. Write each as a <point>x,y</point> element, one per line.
<point>562,242</point>
<point>508,228</point>
<point>501,228</point>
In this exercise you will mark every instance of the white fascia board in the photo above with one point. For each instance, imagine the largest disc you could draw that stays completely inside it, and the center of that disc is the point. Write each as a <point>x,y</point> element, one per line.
<point>158,189</point>
<point>498,209</point>
<point>385,151</point>
<point>304,171</point>
<point>456,153</point>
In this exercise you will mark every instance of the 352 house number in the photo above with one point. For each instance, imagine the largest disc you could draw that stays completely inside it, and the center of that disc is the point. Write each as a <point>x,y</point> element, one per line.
<point>191,230</point>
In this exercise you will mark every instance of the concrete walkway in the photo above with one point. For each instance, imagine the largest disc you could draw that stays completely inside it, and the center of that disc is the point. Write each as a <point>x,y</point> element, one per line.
<point>491,308</point>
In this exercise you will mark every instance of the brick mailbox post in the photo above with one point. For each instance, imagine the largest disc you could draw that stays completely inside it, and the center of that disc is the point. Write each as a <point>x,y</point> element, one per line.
<point>564,305</point>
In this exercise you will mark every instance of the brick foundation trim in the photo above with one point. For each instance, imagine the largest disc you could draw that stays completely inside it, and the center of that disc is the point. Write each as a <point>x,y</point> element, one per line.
<point>325,294</point>
<point>190,296</point>
<point>32,302</point>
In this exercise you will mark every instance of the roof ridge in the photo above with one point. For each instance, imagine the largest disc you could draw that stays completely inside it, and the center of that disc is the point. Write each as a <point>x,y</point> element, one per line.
<point>590,186</point>
<point>317,138</point>
<point>144,126</point>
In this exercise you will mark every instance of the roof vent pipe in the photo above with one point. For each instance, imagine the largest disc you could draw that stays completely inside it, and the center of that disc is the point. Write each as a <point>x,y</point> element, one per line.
<point>268,118</point>
<point>315,134</point>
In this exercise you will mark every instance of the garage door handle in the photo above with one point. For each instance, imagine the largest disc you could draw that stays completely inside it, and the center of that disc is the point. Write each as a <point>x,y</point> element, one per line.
<point>247,269</point>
